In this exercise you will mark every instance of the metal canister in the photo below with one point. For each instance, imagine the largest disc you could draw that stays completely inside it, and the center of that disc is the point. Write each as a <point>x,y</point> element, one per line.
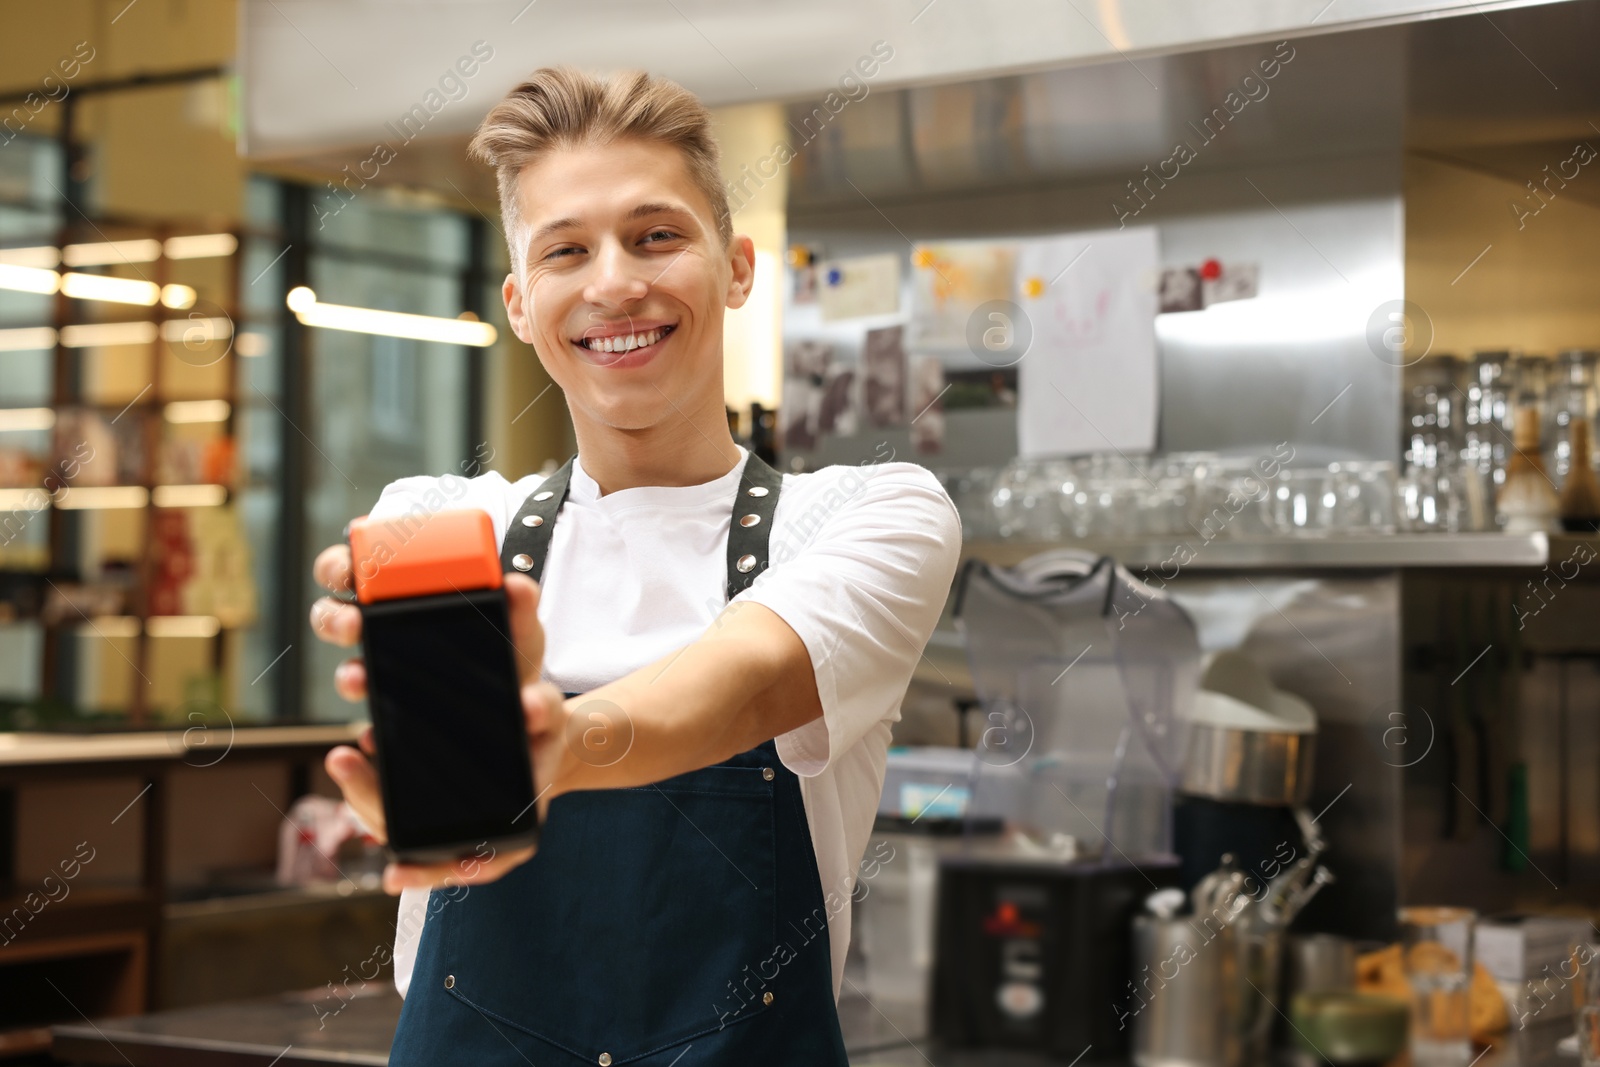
<point>1183,998</point>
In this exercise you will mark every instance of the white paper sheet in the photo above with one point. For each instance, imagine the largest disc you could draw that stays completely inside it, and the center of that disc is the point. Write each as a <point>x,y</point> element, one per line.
<point>854,288</point>
<point>1088,381</point>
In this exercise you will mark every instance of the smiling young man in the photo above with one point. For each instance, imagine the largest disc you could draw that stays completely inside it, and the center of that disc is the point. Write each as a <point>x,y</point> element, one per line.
<point>713,655</point>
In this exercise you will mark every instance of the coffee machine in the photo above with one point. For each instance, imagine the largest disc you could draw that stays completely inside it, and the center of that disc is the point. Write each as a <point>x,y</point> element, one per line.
<point>1246,773</point>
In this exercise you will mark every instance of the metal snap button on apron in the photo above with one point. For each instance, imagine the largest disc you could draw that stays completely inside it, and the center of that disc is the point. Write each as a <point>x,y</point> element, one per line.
<point>766,998</point>
<point>522,561</point>
<point>605,1059</point>
<point>757,490</point>
<point>449,981</point>
<point>768,773</point>
<point>546,495</point>
<point>749,520</point>
<point>746,562</point>
<point>533,520</point>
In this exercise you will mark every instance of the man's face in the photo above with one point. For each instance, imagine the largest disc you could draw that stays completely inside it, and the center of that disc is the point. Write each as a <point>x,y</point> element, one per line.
<point>625,282</point>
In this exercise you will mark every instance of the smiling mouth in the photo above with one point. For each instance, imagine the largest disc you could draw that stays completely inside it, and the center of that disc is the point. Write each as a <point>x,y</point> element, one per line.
<point>621,343</point>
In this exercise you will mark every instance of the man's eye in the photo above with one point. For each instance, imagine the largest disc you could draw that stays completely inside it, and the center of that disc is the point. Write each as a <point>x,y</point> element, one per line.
<point>560,252</point>
<point>660,235</point>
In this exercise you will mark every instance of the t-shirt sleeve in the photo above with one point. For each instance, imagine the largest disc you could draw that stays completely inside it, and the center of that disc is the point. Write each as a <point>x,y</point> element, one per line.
<point>861,573</point>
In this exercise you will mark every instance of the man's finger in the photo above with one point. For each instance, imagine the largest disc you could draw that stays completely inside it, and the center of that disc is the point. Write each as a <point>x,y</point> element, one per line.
<point>522,600</point>
<point>350,680</point>
<point>357,779</point>
<point>469,870</point>
<point>336,622</point>
<point>332,569</point>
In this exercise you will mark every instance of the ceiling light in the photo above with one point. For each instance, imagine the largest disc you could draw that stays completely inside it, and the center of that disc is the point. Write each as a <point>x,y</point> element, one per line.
<point>27,418</point>
<point>201,246</point>
<point>142,250</point>
<point>303,302</point>
<point>28,339</point>
<point>197,411</point>
<point>106,334</point>
<point>112,289</point>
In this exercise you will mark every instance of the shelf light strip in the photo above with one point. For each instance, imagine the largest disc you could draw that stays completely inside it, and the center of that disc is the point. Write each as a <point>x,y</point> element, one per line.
<point>128,626</point>
<point>105,497</point>
<point>311,312</point>
<point>18,419</point>
<point>102,287</point>
<point>190,331</point>
<point>138,250</point>
<point>195,411</point>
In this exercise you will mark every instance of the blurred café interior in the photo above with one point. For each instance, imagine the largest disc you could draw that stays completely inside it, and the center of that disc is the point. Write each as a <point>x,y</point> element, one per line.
<point>1262,725</point>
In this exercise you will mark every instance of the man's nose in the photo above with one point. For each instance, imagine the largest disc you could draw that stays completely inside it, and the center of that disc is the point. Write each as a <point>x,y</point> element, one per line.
<point>617,277</point>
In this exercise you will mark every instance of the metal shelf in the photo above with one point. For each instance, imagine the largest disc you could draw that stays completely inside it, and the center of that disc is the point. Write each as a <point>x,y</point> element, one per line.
<point>1397,551</point>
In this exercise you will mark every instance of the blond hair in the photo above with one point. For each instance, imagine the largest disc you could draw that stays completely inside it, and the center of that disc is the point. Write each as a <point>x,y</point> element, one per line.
<point>561,107</point>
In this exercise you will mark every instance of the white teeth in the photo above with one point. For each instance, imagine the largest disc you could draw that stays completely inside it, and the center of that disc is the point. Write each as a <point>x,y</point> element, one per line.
<point>625,343</point>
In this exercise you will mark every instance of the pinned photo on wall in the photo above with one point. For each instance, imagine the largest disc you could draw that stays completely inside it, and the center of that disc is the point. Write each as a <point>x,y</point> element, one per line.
<point>1180,290</point>
<point>927,404</point>
<point>805,365</point>
<point>859,287</point>
<point>949,282</point>
<point>883,358</point>
<point>805,285</point>
<point>1221,282</point>
<point>840,412</point>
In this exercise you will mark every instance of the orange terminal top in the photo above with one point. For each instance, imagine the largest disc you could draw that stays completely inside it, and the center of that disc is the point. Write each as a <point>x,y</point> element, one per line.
<point>423,555</point>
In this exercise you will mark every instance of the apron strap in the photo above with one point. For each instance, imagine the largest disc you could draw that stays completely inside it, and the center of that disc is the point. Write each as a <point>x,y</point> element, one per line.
<point>751,529</point>
<point>527,540</point>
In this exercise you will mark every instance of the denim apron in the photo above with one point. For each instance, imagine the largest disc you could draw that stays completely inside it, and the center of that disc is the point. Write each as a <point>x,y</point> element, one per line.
<point>678,924</point>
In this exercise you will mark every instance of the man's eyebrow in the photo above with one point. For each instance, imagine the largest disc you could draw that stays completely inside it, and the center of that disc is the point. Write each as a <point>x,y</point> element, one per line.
<point>638,212</point>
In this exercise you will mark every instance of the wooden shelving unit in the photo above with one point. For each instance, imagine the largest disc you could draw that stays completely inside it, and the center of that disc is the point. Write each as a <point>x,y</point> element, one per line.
<point>206,332</point>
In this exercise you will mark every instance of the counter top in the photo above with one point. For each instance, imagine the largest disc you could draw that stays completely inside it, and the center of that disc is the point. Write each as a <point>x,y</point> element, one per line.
<point>44,749</point>
<point>1393,551</point>
<point>297,1029</point>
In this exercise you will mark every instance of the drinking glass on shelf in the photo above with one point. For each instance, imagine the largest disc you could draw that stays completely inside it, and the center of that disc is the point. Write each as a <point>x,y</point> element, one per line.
<point>1437,498</point>
<point>1358,497</point>
<point>1301,502</point>
<point>1437,943</point>
<point>1589,1005</point>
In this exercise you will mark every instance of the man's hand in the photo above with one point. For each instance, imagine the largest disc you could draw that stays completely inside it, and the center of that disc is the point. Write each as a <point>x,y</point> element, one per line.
<point>339,623</point>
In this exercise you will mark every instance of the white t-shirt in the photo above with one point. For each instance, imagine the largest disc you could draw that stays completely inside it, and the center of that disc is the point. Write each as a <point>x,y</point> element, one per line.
<point>862,558</point>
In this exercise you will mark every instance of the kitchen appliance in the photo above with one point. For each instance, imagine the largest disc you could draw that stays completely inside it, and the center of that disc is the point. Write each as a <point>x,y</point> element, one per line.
<point>1246,772</point>
<point>1084,675</point>
<point>1035,954</point>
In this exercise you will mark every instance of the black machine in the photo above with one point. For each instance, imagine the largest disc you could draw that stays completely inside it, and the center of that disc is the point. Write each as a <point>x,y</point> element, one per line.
<point>442,686</point>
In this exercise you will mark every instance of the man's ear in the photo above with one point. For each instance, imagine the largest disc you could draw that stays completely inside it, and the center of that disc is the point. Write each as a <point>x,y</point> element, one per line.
<point>516,310</point>
<point>742,258</point>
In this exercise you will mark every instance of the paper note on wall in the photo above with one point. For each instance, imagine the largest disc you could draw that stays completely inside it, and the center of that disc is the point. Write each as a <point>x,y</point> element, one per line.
<point>949,283</point>
<point>854,288</point>
<point>1088,381</point>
